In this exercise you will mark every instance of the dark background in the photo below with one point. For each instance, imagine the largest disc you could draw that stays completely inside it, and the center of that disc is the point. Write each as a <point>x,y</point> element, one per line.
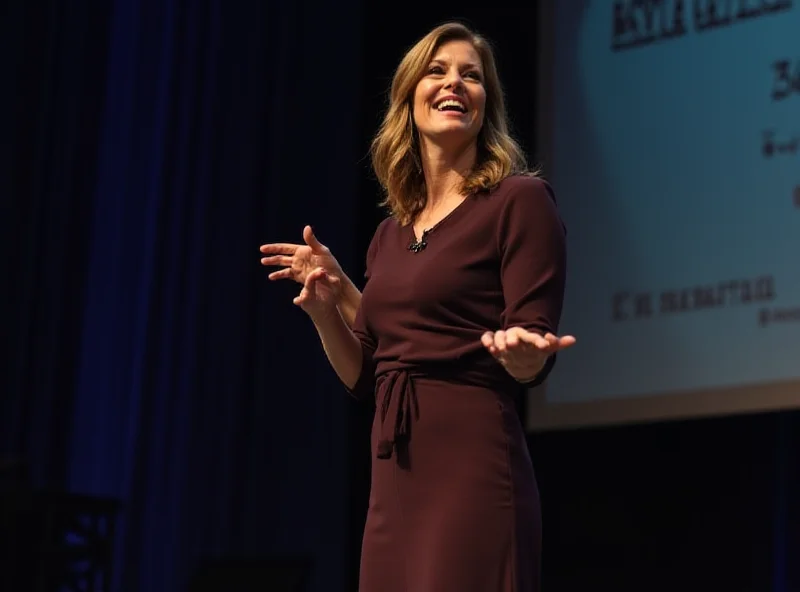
<point>148,149</point>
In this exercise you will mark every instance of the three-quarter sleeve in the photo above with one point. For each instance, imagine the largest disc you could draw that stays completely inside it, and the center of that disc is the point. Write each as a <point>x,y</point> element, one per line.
<point>532,247</point>
<point>364,388</point>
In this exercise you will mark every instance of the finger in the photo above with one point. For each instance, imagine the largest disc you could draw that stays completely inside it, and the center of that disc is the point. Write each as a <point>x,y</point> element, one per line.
<point>282,274</point>
<point>487,340</point>
<point>319,275</point>
<point>500,341</point>
<point>513,338</point>
<point>311,240</point>
<point>551,339</point>
<point>536,340</point>
<point>560,342</point>
<point>517,340</point>
<point>315,276</point>
<point>278,249</point>
<point>567,341</point>
<point>519,346</point>
<point>281,260</point>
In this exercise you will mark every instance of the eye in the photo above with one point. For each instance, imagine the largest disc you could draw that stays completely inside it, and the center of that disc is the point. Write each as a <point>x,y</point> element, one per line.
<point>474,75</point>
<point>435,69</point>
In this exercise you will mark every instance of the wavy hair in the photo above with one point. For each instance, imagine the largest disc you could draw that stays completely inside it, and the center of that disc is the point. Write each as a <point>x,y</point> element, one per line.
<point>395,150</point>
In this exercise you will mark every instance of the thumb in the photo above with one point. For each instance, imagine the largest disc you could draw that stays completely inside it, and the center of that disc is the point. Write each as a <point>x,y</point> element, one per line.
<point>311,239</point>
<point>316,275</point>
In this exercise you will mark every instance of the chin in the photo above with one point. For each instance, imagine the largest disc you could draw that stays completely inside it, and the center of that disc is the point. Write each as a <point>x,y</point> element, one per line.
<point>465,128</point>
<point>456,134</point>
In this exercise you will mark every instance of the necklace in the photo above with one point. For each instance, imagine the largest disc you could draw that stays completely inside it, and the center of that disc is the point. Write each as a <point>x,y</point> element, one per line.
<point>419,244</point>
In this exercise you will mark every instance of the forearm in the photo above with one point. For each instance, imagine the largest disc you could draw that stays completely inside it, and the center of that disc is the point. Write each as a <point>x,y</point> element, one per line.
<point>350,301</point>
<point>341,346</point>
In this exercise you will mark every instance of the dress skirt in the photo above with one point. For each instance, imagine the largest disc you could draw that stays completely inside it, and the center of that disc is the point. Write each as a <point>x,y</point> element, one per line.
<point>454,505</point>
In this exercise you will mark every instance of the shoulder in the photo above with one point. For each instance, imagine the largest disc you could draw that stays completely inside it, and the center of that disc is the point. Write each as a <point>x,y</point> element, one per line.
<point>525,206</point>
<point>520,197</point>
<point>527,191</point>
<point>523,193</point>
<point>386,225</point>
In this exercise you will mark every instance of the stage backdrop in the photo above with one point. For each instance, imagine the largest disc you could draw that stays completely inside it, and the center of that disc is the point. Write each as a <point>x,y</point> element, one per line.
<point>149,148</point>
<point>672,133</point>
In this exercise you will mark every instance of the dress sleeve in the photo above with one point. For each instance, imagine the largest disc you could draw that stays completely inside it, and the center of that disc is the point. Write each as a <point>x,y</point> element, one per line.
<point>532,246</point>
<point>364,388</point>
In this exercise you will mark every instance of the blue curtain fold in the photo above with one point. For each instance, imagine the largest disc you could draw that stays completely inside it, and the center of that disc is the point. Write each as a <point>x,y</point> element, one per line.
<point>155,145</point>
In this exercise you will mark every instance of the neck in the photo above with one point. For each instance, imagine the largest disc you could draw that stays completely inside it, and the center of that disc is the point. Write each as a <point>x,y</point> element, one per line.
<point>445,170</point>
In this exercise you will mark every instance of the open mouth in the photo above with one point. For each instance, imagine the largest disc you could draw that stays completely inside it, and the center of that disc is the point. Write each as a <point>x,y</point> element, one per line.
<point>451,105</point>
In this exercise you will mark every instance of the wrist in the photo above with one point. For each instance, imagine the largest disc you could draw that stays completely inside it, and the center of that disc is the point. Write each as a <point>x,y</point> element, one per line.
<point>530,376</point>
<point>349,294</point>
<point>322,317</point>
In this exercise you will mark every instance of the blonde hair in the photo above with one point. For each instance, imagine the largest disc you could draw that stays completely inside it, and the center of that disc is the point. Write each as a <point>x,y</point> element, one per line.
<point>395,149</point>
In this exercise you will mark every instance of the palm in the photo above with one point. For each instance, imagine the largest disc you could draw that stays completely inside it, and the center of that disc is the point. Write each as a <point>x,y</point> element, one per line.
<point>305,260</point>
<point>298,261</point>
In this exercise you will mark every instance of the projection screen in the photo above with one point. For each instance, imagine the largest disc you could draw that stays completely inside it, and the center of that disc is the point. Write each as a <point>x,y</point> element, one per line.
<point>671,132</point>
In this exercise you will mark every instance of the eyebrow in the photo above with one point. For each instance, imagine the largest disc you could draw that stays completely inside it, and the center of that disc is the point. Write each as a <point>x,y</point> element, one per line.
<point>467,65</point>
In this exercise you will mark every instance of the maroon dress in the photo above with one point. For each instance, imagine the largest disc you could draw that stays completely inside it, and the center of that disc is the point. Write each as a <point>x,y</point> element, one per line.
<point>454,505</point>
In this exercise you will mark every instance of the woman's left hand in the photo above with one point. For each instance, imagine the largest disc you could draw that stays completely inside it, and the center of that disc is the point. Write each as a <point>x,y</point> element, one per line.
<point>523,354</point>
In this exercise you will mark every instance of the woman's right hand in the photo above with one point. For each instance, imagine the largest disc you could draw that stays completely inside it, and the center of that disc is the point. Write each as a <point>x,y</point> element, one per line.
<point>319,295</point>
<point>299,261</point>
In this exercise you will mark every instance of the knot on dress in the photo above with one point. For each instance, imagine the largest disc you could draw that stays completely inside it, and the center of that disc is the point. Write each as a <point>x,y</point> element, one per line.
<point>395,391</point>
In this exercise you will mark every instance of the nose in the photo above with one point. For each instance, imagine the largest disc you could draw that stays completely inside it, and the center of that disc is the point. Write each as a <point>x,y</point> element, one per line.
<point>454,79</point>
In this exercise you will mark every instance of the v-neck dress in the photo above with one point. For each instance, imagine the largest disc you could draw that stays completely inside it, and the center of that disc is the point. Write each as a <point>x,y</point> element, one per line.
<point>454,504</point>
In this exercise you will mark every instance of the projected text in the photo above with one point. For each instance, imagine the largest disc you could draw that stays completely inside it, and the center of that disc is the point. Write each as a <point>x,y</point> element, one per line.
<point>628,305</point>
<point>637,23</point>
<point>786,79</point>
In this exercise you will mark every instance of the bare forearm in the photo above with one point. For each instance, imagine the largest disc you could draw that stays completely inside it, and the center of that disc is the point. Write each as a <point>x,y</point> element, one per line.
<point>350,301</point>
<point>341,346</point>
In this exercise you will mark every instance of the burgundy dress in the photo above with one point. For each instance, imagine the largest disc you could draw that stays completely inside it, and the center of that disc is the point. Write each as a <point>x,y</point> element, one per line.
<point>454,505</point>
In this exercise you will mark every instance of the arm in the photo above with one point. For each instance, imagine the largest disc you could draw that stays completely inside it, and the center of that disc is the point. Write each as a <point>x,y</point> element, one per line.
<point>349,351</point>
<point>353,314</point>
<point>532,247</point>
<point>341,346</point>
<point>349,300</point>
<point>342,328</point>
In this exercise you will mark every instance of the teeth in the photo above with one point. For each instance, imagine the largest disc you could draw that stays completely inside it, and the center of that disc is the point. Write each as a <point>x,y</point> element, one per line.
<point>451,103</point>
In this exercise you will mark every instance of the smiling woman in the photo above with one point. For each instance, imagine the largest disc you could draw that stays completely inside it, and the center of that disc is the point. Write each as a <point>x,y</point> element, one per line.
<point>450,62</point>
<point>454,113</point>
<point>465,281</point>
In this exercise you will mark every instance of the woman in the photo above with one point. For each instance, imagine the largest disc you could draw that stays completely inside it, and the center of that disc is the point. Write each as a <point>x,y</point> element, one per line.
<point>464,290</point>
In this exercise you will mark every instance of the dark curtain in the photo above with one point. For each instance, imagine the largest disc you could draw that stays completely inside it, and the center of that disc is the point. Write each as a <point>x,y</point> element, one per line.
<point>149,149</point>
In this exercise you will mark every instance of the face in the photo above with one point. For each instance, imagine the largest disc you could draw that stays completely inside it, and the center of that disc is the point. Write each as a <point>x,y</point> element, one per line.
<point>450,100</point>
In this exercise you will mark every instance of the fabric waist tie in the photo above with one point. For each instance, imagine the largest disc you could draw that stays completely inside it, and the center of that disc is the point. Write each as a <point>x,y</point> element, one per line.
<point>395,391</point>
